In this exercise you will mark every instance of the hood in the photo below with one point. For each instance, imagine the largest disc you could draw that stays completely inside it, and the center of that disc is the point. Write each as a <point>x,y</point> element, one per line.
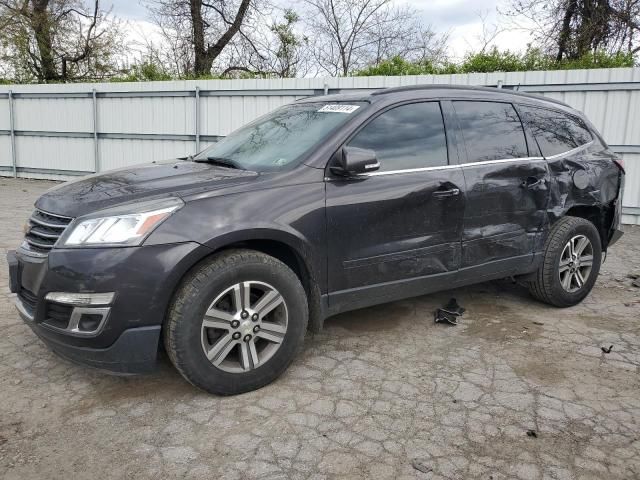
<point>154,180</point>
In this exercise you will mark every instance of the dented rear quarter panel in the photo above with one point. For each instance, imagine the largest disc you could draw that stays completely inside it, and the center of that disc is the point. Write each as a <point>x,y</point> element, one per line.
<point>588,177</point>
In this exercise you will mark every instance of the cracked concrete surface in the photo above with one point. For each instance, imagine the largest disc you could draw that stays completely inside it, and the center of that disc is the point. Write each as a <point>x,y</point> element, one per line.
<point>381,393</point>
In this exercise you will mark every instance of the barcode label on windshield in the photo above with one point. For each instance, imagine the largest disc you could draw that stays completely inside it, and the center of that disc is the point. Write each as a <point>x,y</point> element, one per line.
<point>339,108</point>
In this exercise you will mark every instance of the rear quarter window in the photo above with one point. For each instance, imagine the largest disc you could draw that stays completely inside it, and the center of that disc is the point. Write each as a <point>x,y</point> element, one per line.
<point>491,130</point>
<point>556,132</point>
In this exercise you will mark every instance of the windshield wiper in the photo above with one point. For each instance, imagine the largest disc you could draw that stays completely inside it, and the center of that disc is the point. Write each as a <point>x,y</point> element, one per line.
<point>224,162</point>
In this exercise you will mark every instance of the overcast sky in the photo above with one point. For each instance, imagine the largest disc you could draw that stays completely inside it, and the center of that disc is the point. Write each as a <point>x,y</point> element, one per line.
<point>460,18</point>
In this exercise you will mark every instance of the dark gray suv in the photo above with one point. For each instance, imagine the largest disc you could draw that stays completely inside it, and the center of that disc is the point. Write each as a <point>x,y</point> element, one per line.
<point>325,205</point>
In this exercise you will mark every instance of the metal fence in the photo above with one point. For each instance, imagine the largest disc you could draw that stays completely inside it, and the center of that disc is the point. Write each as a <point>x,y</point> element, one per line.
<point>60,131</point>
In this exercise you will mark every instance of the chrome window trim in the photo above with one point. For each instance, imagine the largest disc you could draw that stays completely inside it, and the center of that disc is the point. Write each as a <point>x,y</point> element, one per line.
<point>572,151</point>
<point>504,160</point>
<point>446,167</point>
<point>479,163</point>
<point>407,170</point>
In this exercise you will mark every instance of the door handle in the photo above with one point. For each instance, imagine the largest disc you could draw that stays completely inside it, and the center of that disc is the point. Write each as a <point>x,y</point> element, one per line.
<point>446,193</point>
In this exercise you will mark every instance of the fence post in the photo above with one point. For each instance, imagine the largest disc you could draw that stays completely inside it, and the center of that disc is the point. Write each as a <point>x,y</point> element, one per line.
<point>96,152</point>
<point>197,119</point>
<point>12,131</point>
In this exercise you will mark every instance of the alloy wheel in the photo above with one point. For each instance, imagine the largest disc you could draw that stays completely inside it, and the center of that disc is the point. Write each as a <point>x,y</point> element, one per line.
<point>244,326</point>
<point>576,262</point>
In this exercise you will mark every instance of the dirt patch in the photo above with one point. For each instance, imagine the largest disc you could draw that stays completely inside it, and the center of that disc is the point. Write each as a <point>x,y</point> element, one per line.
<point>497,322</point>
<point>541,371</point>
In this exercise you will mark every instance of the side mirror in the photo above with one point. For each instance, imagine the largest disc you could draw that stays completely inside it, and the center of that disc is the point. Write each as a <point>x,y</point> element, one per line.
<point>354,161</point>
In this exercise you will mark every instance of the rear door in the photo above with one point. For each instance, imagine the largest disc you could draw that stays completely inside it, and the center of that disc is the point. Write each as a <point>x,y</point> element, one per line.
<point>506,186</point>
<point>402,222</point>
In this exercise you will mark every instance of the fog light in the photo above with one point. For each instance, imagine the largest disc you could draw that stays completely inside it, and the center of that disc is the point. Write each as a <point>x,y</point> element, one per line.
<point>80,299</point>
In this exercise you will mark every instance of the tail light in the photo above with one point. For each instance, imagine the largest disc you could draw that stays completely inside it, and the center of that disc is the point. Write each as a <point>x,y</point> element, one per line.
<point>620,163</point>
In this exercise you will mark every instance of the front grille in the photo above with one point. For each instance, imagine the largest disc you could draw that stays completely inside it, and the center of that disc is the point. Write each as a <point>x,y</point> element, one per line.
<point>43,231</point>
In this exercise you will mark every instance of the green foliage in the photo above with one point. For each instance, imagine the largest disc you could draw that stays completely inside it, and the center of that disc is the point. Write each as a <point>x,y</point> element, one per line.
<point>495,60</point>
<point>288,46</point>
<point>491,61</point>
<point>398,66</point>
<point>146,71</point>
<point>599,60</point>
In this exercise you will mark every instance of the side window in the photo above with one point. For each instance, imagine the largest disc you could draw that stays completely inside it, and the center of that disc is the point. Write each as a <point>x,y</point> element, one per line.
<point>556,132</point>
<point>491,130</point>
<point>408,136</point>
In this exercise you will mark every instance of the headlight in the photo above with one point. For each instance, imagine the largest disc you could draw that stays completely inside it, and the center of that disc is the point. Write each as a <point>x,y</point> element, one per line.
<point>121,228</point>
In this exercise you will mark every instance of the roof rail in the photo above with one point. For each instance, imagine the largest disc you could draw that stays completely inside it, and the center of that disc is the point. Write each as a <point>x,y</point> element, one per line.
<point>444,86</point>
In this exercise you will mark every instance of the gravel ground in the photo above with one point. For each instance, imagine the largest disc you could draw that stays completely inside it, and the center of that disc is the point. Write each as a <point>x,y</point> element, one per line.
<point>381,393</point>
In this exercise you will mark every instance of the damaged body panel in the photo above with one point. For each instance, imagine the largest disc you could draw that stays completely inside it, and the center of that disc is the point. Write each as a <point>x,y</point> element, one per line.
<point>586,179</point>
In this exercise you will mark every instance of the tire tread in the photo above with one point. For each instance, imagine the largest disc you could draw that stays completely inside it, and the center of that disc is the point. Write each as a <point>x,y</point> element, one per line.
<point>541,287</point>
<point>192,284</point>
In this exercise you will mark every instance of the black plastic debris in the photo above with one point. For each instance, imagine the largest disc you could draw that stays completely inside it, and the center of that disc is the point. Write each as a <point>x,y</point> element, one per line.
<point>449,313</point>
<point>607,350</point>
<point>532,434</point>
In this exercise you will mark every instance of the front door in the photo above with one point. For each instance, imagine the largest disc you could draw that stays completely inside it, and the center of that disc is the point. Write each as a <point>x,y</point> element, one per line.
<point>401,223</point>
<point>506,185</point>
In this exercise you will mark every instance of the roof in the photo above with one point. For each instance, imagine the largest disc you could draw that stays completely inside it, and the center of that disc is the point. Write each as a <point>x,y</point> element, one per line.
<point>442,89</point>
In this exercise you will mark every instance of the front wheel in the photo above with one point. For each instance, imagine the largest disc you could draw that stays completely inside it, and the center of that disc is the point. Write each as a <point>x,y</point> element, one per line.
<point>236,322</point>
<point>571,263</point>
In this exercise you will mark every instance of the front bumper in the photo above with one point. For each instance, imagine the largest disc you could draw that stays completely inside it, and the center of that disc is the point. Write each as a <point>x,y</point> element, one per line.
<point>142,279</point>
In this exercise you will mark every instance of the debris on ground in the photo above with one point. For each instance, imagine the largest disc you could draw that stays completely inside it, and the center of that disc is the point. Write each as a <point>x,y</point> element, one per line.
<point>607,350</point>
<point>420,466</point>
<point>532,434</point>
<point>538,323</point>
<point>634,276</point>
<point>449,313</point>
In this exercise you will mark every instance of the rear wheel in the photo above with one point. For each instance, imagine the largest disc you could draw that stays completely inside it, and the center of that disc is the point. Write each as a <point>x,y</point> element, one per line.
<point>236,322</point>
<point>571,263</point>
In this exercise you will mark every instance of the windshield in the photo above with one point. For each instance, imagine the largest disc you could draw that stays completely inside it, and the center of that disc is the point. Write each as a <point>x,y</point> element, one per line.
<point>280,138</point>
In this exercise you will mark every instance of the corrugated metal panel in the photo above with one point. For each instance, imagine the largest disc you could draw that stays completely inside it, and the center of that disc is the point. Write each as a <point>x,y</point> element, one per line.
<point>4,114</point>
<point>163,115</point>
<point>53,114</point>
<point>632,180</point>
<point>54,153</point>
<point>608,97</point>
<point>5,150</point>
<point>222,115</point>
<point>123,153</point>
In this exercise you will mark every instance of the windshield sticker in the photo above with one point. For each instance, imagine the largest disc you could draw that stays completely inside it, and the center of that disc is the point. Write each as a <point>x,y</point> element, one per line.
<point>339,108</point>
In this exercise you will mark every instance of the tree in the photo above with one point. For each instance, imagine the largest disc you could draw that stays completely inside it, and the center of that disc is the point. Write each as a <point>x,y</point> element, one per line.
<point>58,40</point>
<point>197,32</point>
<point>571,29</point>
<point>273,49</point>
<point>351,34</point>
<point>289,51</point>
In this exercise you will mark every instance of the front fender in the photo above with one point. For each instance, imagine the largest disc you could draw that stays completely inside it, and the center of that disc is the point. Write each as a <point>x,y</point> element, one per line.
<point>293,215</point>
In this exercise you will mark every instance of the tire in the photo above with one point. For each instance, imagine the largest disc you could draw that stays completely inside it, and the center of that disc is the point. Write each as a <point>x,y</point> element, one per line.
<point>550,284</point>
<point>191,339</point>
